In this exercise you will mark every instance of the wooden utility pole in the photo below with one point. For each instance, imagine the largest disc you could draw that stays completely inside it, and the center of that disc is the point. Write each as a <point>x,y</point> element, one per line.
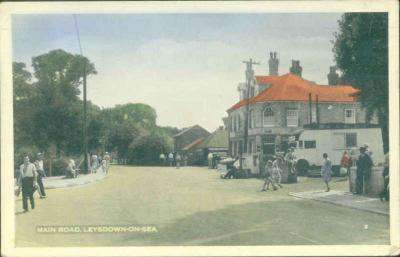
<point>249,80</point>
<point>85,146</point>
<point>84,139</point>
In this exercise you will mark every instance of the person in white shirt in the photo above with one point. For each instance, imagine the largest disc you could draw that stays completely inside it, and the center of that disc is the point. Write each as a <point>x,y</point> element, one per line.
<point>210,157</point>
<point>162,159</point>
<point>170,159</point>
<point>40,174</point>
<point>71,169</point>
<point>107,157</point>
<point>95,163</point>
<point>27,180</point>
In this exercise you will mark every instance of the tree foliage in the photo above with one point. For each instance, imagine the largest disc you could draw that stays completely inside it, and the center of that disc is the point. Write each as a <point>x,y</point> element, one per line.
<point>48,114</point>
<point>361,53</point>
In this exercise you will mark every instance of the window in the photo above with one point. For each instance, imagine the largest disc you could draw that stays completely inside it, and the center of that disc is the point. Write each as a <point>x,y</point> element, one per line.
<point>292,118</point>
<point>351,140</point>
<point>268,117</point>
<point>310,144</point>
<point>350,116</point>
<point>300,144</point>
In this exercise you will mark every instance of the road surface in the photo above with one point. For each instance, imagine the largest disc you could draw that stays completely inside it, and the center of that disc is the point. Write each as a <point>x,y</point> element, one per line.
<point>192,206</point>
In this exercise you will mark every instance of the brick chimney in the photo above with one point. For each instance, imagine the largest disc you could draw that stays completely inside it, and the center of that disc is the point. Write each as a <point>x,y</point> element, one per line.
<point>273,63</point>
<point>333,77</point>
<point>296,69</point>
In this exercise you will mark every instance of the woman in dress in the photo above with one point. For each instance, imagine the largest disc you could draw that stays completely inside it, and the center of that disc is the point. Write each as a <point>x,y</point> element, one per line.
<point>326,170</point>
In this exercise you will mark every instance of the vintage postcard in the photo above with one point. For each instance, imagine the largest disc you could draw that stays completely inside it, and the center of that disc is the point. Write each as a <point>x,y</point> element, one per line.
<point>200,128</point>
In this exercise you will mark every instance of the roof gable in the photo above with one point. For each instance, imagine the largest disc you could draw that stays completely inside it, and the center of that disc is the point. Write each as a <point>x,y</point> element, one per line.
<point>218,139</point>
<point>191,128</point>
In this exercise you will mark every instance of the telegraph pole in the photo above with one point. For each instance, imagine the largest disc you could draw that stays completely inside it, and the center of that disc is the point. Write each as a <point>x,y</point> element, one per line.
<point>84,140</point>
<point>249,80</point>
<point>85,146</point>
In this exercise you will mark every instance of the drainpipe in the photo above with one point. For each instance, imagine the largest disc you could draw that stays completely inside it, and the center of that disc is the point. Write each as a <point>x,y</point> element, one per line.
<point>317,109</point>
<point>310,107</point>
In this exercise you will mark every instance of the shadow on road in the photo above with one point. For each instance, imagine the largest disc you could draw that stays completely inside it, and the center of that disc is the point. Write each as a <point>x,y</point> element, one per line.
<point>270,223</point>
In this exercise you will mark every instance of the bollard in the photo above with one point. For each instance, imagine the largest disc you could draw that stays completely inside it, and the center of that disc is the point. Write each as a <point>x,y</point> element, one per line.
<point>375,184</point>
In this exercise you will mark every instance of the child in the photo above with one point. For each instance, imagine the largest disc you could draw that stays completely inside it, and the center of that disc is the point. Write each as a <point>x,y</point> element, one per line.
<point>268,177</point>
<point>276,173</point>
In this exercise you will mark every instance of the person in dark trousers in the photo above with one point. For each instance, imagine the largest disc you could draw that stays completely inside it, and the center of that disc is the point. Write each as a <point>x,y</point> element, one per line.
<point>40,175</point>
<point>27,181</point>
<point>364,166</point>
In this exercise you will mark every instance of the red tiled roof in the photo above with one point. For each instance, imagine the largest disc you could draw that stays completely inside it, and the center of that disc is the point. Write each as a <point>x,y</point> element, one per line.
<point>290,87</point>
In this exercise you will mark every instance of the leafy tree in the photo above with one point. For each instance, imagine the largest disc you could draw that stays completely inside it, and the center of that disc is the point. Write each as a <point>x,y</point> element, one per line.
<point>361,53</point>
<point>48,114</point>
<point>57,106</point>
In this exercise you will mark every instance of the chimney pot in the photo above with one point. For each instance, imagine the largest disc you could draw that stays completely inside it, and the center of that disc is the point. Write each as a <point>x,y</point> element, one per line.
<point>273,63</point>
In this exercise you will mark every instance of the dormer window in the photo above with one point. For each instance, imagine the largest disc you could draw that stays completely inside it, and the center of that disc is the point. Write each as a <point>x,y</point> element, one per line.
<point>350,116</point>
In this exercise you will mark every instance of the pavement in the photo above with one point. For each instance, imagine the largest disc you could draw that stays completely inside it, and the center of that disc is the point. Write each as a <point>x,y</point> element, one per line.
<point>82,179</point>
<point>347,199</point>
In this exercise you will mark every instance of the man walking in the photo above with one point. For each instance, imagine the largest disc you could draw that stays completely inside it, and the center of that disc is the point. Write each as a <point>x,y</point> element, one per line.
<point>27,181</point>
<point>40,174</point>
<point>364,166</point>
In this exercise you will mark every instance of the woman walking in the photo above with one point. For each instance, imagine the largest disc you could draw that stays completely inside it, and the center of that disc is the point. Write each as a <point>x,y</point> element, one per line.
<point>326,171</point>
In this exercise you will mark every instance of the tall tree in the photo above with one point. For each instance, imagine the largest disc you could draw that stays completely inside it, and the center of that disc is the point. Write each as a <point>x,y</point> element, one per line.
<point>361,53</point>
<point>57,116</point>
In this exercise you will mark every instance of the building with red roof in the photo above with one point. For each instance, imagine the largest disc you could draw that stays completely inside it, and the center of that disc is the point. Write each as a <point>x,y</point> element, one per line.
<point>279,105</point>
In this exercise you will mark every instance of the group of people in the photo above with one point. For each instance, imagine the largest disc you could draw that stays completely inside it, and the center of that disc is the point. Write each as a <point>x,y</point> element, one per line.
<point>30,180</point>
<point>173,159</point>
<point>363,163</point>
<point>272,175</point>
<point>98,162</point>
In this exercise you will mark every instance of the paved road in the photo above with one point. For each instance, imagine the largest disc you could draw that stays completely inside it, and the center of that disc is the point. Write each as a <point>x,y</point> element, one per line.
<point>192,206</point>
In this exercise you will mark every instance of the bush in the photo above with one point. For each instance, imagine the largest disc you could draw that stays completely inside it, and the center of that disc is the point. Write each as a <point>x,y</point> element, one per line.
<point>58,166</point>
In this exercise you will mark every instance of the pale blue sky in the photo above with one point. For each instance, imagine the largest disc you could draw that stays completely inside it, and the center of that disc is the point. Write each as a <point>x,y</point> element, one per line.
<point>187,66</point>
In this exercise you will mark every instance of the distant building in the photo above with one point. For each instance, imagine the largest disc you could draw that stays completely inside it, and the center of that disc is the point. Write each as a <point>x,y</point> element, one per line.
<point>280,105</point>
<point>188,136</point>
<point>216,143</point>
